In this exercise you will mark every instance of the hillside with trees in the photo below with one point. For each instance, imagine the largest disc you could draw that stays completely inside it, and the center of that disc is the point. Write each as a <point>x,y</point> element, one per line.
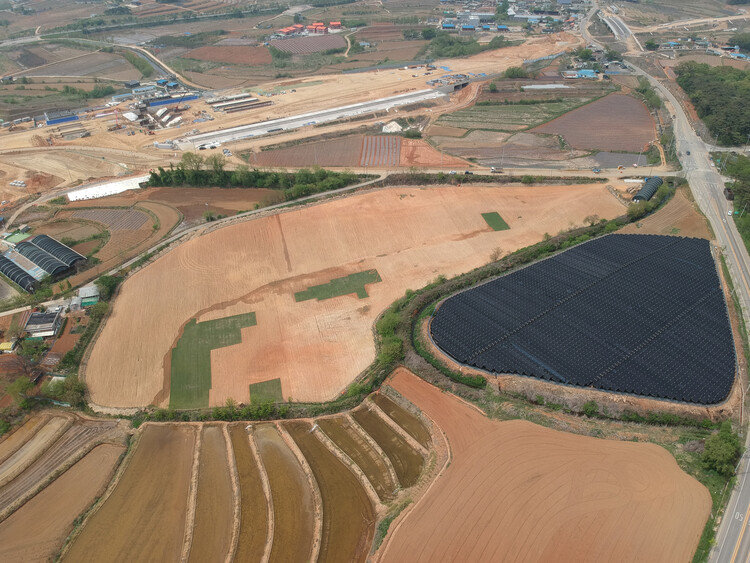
<point>720,96</point>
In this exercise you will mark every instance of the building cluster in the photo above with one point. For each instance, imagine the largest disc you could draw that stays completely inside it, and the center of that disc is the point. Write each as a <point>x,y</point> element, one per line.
<point>551,15</point>
<point>316,28</point>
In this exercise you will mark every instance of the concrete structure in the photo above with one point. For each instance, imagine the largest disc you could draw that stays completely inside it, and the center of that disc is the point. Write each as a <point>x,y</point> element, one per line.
<point>89,295</point>
<point>41,325</point>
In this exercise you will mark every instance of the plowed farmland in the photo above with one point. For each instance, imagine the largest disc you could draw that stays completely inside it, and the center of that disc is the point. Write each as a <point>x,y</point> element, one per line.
<point>616,122</point>
<point>144,517</point>
<point>409,235</point>
<point>234,55</point>
<point>515,491</point>
<point>307,45</point>
<point>37,530</point>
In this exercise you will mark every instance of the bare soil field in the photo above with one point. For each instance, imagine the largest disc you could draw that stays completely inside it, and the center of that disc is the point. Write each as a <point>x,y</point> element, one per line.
<point>616,122</point>
<point>253,533</point>
<point>81,435</point>
<point>75,230</point>
<point>348,514</point>
<point>707,59</point>
<point>67,340</point>
<point>679,217</point>
<point>31,450</point>
<point>407,462</point>
<point>409,235</point>
<point>343,152</point>
<point>37,530</point>
<point>292,498</point>
<point>144,517</point>
<point>416,152</point>
<point>103,65</point>
<point>233,55</point>
<point>20,436</point>
<point>367,458</point>
<point>214,515</point>
<point>515,491</point>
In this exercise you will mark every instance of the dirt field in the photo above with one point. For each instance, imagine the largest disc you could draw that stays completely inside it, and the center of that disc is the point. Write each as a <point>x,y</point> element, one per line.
<point>679,217</point>
<point>291,494</point>
<point>348,514</point>
<point>233,55</point>
<point>144,517</point>
<point>409,235</point>
<point>31,450</point>
<point>214,514</point>
<point>22,435</point>
<point>103,65</point>
<point>75,230</point>
<point>67,340</point>
<point>615,122</point>
<point>37,531</point>
<point>515,491</point>
<point>307,45</point>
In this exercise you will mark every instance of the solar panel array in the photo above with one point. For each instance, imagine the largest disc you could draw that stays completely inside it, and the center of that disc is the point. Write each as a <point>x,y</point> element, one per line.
<point>640,314</point>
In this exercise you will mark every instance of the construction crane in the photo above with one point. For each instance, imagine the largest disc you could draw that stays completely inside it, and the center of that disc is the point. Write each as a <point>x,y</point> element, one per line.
<point>177,105</point>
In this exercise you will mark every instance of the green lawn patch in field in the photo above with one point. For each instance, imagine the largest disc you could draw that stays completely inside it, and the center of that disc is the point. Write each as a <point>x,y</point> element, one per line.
<point>266,391</point>
<point>354,283</point>
<point>191,358</point>
<point>496,222</point>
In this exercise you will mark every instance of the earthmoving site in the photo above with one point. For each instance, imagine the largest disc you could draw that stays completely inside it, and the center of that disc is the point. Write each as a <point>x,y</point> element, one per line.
<point>393,291</point>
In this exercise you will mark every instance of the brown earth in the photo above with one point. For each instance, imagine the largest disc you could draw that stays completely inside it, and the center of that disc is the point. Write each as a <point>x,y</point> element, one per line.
<point>253,506</point>
<point>343,152</point>
<point>416,152</point>
<point>22,435</point>
<point>406,462</point>
<point>144,517</point>
<point>616,122</point>
<point>67,341</point>
<point>514,491</point>
<point>679,217</point>
<point>85,248</point>
<point>37,531</point>
<point>340,432</point>
<point>291,496</point>
<point>409,235</point>
<point>348,514</point>
<point>75,230</point>
<point>31,450</point>
<point>234,55</point>
<point>212,533</point>
<point>410,423</point>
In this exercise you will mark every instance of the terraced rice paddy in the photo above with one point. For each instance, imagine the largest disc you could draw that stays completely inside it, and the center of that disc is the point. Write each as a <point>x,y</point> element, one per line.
<point>293,503</point>
<point>144,517</point>
<point>212,534</point>
<point>406,420</point>
<point>368,459</point>
<point>406,462</point>
<point>348,514</point>
<point>253,504</point>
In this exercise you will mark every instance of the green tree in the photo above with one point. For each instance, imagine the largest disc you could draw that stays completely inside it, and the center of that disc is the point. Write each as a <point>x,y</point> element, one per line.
<point>501,12</point>
<point>70,390</point>
<point>107,286</point>
<point>584,54</point>
<point>515,72</point>
<point>429,33</point>
<point>651,45</point>
<point>493,87</point>
<point>722,450</point>
<point>97,311</point>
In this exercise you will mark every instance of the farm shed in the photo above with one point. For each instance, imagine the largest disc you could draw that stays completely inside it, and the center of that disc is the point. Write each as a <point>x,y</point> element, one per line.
<point>89,295</point>
<point>586,73</point>
<point>132,83</point>
<point>63,253</point>
<point>649,189</point>
<point>41,325</point>
<point>43,259</point>
<point>17,275</point>
<point>75,303</point>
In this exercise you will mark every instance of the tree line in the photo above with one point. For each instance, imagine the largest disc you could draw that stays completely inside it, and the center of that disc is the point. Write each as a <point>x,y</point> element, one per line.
<point>720,96</point>
<point>196,171</point>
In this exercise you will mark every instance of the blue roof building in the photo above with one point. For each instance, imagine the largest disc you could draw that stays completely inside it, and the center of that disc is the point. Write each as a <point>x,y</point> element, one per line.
<point>502,28</point>
<point>586,73</point>
<point>449,25</point>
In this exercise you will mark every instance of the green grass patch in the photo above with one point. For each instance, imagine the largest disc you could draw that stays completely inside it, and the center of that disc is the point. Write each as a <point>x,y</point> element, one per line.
<point>495,222</point>
<point>266,391</point>
<point>354,283</point>
<point>191,358</point>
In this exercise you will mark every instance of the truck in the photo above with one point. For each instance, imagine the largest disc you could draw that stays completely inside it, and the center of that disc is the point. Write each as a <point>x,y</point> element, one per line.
<point>729,194</point>
<point>494,170</point>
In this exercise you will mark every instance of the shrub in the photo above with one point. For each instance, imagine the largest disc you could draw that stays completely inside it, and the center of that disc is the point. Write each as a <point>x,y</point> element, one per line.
<point>722,450</point>
<point>591,409</point>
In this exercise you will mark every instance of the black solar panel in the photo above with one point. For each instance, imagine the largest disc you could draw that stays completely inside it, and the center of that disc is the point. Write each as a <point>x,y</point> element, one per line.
<point>641,314</point>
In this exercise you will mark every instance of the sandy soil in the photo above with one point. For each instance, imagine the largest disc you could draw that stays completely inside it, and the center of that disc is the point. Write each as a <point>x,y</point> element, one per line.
<point>410,235</point>
<point>37,530</point>
<point>15,440</point>
<point>144,517</point>
<point>32,449</point>
<point>515,491</point>
<point>679,217</point>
